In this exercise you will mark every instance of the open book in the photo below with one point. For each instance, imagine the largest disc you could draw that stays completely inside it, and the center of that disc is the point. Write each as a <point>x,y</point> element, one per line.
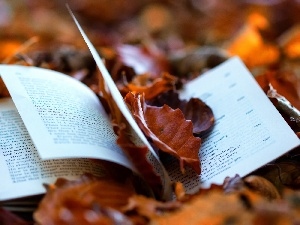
<point>54,123</point>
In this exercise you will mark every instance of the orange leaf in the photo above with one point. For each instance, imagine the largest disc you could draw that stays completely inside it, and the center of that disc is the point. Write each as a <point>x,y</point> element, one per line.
<point>168,130</point>
<point>88,200</point>
<point>152,87</point>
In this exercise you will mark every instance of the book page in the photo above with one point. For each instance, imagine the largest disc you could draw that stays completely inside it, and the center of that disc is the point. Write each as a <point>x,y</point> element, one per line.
<point>63,116</point>
<point>248,133</point>
<point>137,133</point>
<point>22,170</point>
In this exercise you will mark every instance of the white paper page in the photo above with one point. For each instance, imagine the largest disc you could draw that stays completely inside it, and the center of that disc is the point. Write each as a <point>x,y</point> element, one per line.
<point>153,157</point>
<point>22,171</point>
<point>63,116</point>
<point>248,133</point>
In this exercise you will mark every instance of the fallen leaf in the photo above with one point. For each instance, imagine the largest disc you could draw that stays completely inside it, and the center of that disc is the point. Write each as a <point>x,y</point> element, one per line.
<point>262,186</point>
<point>146,58</point>
<point>168,130</point>
<point>151,87</point>
<point>88,200</point>
<point>285,82</point>
<point>194,109</point>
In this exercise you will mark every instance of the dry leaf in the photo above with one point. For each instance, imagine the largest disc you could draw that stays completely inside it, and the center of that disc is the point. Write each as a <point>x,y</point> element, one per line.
<point>146,58</point>
<point>151,87</point>
<point>285,82</point>
<point>88,200</point>
<point>195,110</point>
<point>262,186</point>
<point>168,130</point>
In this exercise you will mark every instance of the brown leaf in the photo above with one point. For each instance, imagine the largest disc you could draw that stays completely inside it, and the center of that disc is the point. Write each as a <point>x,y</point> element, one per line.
<point>286,83</point>
<point>195,110</point>
<point>138,156</point>
<point>152,87</point>
<point>262,186</point>
<point>144,59</point>
<point>88,200</point>
<point>168,130</point>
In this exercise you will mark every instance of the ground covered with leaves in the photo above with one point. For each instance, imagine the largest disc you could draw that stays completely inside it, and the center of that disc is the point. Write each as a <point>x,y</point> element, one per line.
<point>152,48</point>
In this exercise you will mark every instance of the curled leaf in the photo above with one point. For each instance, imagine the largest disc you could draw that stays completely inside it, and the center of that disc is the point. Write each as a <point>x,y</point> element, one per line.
<point>168,130</point>
<point>195,110</point>
<point>3,90</point>
<point>284,105</point>
<point>286,83</point>
<point>88,200</point>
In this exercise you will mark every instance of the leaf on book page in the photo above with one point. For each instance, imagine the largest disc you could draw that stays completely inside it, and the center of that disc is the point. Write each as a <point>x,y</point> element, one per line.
<point>195,110</point>
<point>8,218</point>
<point>151,87</point>
<point>138,156</point>
<point>168,130</point>
<point>88,200</point>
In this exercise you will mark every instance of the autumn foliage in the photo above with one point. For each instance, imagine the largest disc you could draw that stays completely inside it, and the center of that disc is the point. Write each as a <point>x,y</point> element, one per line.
<point>152,48</point>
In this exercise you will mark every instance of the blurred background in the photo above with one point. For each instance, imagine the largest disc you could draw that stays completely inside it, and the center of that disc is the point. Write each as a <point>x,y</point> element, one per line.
<point>264,33</point>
